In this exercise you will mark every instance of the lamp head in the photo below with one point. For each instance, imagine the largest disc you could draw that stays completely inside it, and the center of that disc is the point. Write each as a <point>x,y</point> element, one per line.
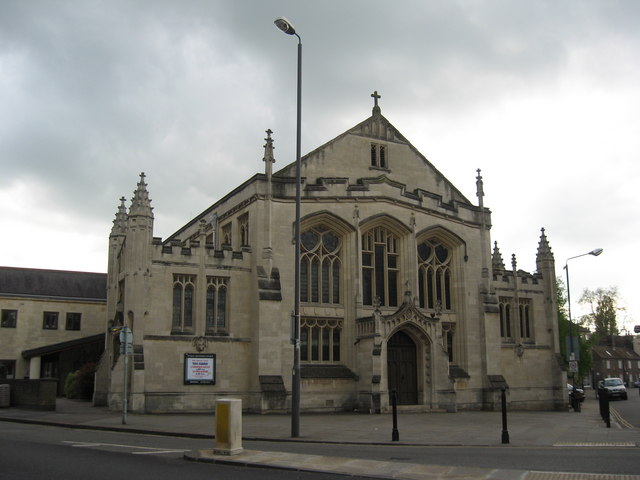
<point>595,252</point>
<point>285,25</point>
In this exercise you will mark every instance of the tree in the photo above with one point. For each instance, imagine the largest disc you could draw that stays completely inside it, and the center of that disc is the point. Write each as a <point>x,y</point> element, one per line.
<point>566,329</point>
<point>604,305</point>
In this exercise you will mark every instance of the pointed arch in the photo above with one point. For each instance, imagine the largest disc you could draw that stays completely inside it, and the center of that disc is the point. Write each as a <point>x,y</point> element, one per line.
<point>389,222</point>
<point>336,223</point>
<point>409,351</point>
<point>436,267</point>
<point>322,245</point>
<point>444,235</point>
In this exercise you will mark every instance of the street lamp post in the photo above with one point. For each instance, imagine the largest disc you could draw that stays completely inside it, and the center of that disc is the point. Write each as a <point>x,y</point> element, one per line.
<point>572,355</point>
<point>287,27</point>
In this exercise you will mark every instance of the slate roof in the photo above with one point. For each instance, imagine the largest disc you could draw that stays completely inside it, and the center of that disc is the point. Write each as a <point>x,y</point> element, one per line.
<point>29,282</point>
<point>602,352</point>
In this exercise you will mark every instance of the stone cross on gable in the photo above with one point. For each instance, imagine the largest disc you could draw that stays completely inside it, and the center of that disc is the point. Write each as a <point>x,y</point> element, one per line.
<point>375,97</point>
<point>376,107</point>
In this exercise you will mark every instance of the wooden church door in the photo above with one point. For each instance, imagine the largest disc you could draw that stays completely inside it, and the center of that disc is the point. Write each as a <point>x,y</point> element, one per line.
<point>401,368</point>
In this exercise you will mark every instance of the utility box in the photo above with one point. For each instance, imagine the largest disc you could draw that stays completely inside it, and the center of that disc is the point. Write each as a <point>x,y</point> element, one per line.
<point>5,395</point>
<point>228,426</point>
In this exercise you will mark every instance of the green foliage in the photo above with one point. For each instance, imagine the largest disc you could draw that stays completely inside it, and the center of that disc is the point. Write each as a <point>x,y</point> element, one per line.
<point>70,385</point>
<point>79,384</point>
<point>604,306</point>
<point>565,329</point>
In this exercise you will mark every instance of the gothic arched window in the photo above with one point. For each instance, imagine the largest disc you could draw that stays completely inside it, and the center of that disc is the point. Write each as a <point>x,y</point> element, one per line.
<point>525,319</point>
<point>505,318</point>
<point>320,250</point>
<point>216,305</point>
<point>380,267</point>
<point>434,275</point>
<point>183,298</point>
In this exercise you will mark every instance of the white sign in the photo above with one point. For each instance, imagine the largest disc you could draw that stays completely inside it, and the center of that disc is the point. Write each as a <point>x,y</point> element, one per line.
<point>573,366</point>
<point>199,368</point>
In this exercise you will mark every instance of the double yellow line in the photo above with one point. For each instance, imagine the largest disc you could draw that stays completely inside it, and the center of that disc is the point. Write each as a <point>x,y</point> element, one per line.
<point>621,421</point>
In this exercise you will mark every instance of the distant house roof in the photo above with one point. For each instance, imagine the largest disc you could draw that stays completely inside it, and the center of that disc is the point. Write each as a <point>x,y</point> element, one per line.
<point>605,352</point>
<point>29,282</point>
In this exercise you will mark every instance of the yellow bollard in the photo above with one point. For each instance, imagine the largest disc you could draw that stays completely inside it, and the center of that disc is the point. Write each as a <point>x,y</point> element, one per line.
<point>228,426</point>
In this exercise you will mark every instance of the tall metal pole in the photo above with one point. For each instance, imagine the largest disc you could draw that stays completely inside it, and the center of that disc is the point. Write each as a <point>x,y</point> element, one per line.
<point>572,354</point>
<point>287,27</point>
<point>295,380</point>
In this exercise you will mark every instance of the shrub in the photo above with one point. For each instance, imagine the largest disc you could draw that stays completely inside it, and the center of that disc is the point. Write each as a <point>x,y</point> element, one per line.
<point>79,384</point>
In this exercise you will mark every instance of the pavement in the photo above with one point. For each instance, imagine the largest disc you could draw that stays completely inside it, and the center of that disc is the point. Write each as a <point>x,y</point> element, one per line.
<point>525,429</point>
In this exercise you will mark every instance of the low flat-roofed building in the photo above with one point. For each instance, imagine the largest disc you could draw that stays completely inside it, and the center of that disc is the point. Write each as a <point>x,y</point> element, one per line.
<point>51,322</point>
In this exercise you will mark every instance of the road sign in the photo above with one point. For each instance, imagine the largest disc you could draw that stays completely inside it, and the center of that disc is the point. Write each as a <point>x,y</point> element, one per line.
<point>126,341</point>
<point>573,366</point>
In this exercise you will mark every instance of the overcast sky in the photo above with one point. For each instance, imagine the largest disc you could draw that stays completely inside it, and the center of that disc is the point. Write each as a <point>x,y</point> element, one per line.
<point>543,96</point>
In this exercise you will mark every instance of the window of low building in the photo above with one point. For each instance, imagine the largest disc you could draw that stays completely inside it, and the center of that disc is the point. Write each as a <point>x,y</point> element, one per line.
<point>50,321</point>
<point>73,321</point>
<point>9,319</point>
<point>7,369</point>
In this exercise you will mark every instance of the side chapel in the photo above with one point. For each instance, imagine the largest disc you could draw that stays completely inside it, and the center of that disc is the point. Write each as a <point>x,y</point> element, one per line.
<point>400,290</point>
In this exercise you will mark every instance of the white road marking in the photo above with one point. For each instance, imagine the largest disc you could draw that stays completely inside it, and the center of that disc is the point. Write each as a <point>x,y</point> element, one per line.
<point>150,450</point>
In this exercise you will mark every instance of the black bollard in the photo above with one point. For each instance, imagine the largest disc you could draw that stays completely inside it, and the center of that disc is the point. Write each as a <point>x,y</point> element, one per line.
<point>505,432</point>
<point>395,435</point>
<point>603,395</point>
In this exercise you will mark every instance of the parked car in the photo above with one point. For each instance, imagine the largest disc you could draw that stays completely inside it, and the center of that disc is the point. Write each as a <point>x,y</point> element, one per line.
<point>615,387</point>
<point>579,393</point>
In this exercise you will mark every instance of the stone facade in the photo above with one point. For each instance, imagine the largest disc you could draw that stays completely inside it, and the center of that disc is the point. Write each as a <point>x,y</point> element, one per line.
<point>52,322</point>
<point>399,290</point>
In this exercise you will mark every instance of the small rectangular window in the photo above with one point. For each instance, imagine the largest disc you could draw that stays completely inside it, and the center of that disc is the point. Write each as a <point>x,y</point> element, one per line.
<point>73,321</point>
<point>7,369</point>
<point>9,319</point>
<point>50,321</point>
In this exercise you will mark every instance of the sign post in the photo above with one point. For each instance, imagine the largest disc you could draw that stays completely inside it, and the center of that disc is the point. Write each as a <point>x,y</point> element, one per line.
<point>126,349</point>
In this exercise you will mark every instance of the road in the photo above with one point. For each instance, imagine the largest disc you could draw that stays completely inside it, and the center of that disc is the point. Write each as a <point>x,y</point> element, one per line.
<point>51,453</point>
<point>629,409</point>
<point>39,452</point>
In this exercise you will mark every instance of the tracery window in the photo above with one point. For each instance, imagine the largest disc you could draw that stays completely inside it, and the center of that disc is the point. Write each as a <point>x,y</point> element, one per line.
<point>505,318</point>
<point>183,300</point>
<point>216,314</point>
<point>320,339</point>
<point>380,267</point>
<point>525,318</point>
<point>320,265</point>
<point>434,275</point>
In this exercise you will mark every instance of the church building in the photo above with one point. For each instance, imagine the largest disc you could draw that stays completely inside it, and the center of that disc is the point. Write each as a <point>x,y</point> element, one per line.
<point>401,289</point>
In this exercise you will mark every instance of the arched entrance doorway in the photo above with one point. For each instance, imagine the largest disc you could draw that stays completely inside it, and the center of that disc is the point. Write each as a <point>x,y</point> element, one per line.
<point>401,368</point>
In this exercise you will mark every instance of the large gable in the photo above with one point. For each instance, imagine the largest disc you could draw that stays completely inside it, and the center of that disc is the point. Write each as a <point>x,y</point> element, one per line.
<point>374,151</point>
